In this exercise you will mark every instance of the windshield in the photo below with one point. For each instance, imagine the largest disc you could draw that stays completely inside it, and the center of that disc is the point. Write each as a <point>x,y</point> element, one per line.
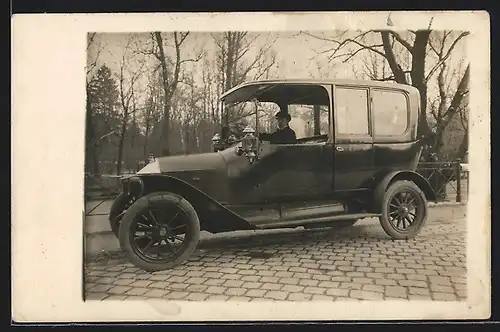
<point>244,114</point>
<point>307,105</point>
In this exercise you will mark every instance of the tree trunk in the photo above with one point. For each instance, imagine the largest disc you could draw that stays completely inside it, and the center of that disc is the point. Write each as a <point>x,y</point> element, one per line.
<point>165,148</point>
<point>187,139</point>
<point>91,153</point>
<point>418,77</point>
<point>89,137</point>
<point>464,146</point>
<point>165,141</point>
<point>145,146</point>
<point>120,146</point>
<point>229,64</point>
<point>396,69</point>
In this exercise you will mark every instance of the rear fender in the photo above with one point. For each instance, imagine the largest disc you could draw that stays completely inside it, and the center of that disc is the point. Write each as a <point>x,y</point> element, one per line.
<point>390,177</point>
<point>214,217</point>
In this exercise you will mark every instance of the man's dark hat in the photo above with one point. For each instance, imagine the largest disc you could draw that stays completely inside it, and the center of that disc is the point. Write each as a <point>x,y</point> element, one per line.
<point>283,115</point>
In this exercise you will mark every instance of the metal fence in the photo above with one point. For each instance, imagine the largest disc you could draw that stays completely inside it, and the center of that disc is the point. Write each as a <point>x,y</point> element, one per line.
<point>450,180</point>
<point>99,189</point>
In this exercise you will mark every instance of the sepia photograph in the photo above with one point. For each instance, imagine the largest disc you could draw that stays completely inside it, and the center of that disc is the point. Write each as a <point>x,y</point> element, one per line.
<point>206,162</point>
<point>288,166</point>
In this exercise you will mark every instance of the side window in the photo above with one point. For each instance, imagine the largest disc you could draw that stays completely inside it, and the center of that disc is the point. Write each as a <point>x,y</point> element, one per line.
<point>351,111</point>
<point>267,111</point>
<point>390,112</point>
<point>303,119</point>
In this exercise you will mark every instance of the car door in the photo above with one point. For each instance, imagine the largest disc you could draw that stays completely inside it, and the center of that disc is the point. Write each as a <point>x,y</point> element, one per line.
<point>283,173</point>
<point>353,149</point>
<point>295,171</point>
<point>301,171</point>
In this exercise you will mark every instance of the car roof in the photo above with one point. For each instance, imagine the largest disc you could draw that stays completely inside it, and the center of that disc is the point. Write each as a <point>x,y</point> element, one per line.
<point>337,81</point>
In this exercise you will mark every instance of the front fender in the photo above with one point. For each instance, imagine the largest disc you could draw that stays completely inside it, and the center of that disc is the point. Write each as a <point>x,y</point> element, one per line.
<point>214,217</point>
<point>390,177</point>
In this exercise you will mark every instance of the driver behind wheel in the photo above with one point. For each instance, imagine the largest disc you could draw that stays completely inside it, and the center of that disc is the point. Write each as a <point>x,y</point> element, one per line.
<point>283,134</point>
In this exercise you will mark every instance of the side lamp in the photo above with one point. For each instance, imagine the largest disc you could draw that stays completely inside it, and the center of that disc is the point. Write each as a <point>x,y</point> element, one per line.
<point>250,145</point>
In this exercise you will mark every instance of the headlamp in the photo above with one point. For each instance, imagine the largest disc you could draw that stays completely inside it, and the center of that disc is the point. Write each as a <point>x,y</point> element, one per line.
<point>250,144</point>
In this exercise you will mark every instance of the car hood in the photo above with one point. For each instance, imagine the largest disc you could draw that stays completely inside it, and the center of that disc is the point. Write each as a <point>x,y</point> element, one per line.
<point>189,163</point>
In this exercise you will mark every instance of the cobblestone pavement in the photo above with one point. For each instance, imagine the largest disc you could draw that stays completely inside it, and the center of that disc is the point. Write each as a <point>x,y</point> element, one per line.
<point>356,263</point>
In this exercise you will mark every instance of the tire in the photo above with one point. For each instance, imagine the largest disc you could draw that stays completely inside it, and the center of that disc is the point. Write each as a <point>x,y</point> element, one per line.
<point>115,213</point>
<point>397,210</point>
<point>170,207</point>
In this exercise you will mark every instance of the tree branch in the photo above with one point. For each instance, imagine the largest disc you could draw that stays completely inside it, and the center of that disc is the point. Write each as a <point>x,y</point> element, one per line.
<point>396,69</point>
<point>353,54</point>
<point>198,58</point>
<point>402,41</point>
<point>462,90</point>
<point>95,141</point>
<point>91,38</point>
<point>93,64</point>
<point>445,57</point>
<point>363,46</point>
<point>183,37</point>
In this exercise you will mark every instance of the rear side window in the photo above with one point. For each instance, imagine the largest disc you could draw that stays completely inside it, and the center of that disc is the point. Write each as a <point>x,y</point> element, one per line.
<point>390,113</point>
<point>351,111</point>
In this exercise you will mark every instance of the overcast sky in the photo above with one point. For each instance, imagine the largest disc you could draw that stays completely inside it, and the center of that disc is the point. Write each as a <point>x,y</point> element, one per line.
<point>295,53</point>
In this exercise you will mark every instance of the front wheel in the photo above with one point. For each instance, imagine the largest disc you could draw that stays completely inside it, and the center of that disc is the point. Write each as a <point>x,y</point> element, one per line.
<point>118,208</point>
<point>159,231</point>
<point>404,210</point>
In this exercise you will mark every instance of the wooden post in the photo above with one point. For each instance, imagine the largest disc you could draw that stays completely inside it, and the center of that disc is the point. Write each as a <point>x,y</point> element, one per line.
<point>317,122</point>
<point>458,170</point>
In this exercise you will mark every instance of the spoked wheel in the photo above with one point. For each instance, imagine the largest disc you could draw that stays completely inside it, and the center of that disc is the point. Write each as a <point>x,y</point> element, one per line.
<point>159,231</point>
<point>404,210</point>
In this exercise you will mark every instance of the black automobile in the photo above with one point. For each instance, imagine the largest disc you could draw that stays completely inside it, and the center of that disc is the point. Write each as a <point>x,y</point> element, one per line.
<point>355,157</point>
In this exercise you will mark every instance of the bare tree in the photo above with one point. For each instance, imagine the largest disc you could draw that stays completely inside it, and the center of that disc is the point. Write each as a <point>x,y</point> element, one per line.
<point>90,134</point>
<point>127,79</point>
<point>233,48</point>
<point>406,55</point>
<point>464,121</point>
<point>375,68</point>
<point>171,77</point>
<point>448,105</point>
<point>94,49</point>
<point>210,94</point>
<point>152,109</point>
<point>234,61</point>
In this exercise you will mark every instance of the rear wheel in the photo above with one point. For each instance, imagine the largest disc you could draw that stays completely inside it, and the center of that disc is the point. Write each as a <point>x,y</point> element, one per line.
<point>159,231</point>
<point>404,210</point>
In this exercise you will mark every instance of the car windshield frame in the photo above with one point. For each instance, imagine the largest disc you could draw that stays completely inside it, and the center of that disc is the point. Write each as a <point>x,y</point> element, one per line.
<point>283,94</point>
<point>240,95</point>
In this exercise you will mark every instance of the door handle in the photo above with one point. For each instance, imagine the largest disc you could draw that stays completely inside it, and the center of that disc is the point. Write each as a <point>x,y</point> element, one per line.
<point>339,148</point>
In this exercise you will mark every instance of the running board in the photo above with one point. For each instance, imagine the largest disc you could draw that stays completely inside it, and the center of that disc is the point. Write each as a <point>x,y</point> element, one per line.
<point>318,220</point>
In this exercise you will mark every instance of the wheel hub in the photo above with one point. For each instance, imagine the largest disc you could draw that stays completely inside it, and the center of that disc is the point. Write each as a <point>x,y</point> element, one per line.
<point>163,231</point>
<point>403,210</point>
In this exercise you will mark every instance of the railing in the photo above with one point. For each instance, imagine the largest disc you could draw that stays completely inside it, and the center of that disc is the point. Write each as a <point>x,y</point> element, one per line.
<point>100,188</point>
<point>103,187</point>
<point>448,179</point>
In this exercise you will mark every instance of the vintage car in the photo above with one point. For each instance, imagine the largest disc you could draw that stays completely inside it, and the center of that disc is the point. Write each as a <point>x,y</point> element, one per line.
<point>355,157</point>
